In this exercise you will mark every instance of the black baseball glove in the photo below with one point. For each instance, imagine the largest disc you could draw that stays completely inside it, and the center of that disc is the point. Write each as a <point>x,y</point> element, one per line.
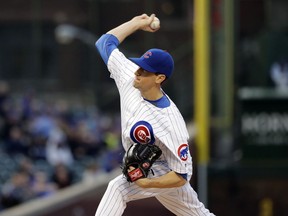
<point>141,157</point>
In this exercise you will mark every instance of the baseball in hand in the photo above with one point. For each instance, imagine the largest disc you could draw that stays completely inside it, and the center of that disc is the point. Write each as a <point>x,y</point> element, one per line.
<point>155,24</point>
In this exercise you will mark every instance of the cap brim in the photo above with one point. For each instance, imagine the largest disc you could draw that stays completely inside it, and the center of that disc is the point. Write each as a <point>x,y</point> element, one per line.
<point>142,64</point>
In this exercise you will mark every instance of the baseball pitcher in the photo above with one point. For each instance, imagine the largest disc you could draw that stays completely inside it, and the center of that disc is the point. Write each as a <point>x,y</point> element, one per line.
<point>157,162</point>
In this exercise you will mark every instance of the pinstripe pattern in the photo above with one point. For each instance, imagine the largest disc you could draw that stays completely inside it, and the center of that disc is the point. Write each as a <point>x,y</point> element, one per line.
<point>170,132</point>
<point>184,202</point>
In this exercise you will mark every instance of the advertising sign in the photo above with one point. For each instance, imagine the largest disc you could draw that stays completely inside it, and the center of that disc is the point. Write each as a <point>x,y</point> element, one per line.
<point>264,123</point>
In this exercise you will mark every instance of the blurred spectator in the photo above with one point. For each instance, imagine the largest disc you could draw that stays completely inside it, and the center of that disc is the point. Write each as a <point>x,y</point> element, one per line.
<point>114,154</point>
<point>42,124</point>
<point>16,190</point>
<point>37,150</point>
<point>16,143</point>
<point>85,139</point>
<point>62,176</point>
<point>91,172</point>
<point>58,152</point>
<point>41,185</point>
<point>26,166</point>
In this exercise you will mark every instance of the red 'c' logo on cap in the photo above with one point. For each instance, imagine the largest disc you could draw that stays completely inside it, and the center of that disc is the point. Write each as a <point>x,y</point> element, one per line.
<point>147,54</point>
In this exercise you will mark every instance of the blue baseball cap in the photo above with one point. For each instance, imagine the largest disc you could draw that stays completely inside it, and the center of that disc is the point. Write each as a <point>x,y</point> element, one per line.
<point>156,61</point>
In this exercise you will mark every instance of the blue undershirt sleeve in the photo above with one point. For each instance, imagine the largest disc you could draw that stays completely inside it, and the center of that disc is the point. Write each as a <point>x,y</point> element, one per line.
<point>105,45</point>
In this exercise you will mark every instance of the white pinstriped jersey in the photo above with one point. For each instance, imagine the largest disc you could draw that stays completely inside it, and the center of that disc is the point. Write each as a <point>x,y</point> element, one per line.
<point>143,122</point>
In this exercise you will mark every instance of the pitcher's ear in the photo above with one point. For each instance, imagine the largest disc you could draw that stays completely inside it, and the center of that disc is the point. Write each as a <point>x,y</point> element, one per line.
<point>161,78</point>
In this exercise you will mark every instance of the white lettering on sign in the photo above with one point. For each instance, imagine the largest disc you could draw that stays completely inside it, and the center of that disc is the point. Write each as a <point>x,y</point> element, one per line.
<point>264,123</point>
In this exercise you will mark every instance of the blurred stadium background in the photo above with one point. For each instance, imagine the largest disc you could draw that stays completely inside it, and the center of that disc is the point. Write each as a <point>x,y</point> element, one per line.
<point>59,110</point>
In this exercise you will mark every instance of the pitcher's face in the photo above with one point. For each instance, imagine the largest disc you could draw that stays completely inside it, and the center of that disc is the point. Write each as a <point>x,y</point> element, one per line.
<point>144,79</point>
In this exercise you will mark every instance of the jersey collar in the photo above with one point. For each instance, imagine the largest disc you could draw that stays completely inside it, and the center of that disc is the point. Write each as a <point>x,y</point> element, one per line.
<point>162,102</point>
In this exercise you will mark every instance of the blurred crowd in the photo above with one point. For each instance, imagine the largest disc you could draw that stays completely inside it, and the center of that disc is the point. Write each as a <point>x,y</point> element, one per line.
<point>47,145</point>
